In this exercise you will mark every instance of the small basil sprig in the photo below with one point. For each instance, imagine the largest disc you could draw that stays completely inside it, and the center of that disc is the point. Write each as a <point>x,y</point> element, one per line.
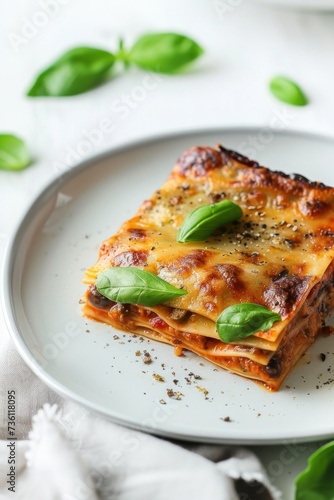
<point>317,480</point>
<point>134,286</point>
<point>164,52</point>
<point>77,71</point>
<point>83,68</point>
<point>242,320</point>
<point>287,91</point>
<point>203,221</point>
<point>14,154</point>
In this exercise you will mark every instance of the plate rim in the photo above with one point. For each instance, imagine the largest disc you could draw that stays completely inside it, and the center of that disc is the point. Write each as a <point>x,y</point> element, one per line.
<point>49,189</point>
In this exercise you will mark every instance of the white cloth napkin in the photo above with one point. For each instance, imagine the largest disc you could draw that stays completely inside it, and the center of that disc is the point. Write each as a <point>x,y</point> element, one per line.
<point>65,452</point>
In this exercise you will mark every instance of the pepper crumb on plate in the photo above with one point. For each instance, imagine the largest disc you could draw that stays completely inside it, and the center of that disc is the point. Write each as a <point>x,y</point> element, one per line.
<point>147,358</point>
<point>226,419</point>
<point>175,395</point>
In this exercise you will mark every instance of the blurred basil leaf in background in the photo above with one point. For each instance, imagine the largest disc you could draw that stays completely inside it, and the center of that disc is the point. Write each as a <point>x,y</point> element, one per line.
<point>316,482</point>
<point>77,71</point>
<point>14,154</point>
<point>164,52</point>
<point>287,91</point>
<point>83,68</point>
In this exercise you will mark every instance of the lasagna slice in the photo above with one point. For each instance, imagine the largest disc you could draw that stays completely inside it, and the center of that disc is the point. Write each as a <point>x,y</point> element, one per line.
<point>279,254</point>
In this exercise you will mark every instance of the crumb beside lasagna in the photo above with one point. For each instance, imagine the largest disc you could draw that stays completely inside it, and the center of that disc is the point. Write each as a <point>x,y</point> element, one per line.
<point>279,254</point>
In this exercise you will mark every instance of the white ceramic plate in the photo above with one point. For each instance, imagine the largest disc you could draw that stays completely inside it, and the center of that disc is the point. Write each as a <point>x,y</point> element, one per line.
<point>97,366</point>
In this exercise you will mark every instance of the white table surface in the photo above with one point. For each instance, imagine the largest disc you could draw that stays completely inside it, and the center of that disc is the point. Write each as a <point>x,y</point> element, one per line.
<point>246,44</point>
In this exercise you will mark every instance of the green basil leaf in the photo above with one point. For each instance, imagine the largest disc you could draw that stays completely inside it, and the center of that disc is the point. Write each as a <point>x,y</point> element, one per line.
<point>316,482</point>
<point>203,221</point>
<point>134,286</point>
<point>164,52</point>
<point>122,54</point>
<point>77,71</point>
<point>287,91</point>
<point>14,154</point>
<point>241,320</point>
